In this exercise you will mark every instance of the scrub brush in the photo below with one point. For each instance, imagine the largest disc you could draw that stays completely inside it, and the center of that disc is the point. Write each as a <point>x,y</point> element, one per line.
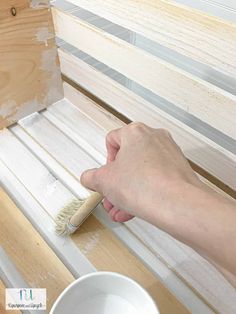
<point>71,217</point>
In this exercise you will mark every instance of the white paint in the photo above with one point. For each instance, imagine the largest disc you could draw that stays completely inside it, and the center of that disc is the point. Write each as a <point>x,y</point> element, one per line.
<point>49,64</point>
<point>37,4</point>
<point>43,35</point>
<point>55,168</point>
<point>7,108</point>
<point>91,243</point>
<point>65,248</point>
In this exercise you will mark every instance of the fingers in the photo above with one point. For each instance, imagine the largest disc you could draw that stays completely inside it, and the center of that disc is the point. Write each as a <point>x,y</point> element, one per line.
<point>115,213</point>
<point>107,204</point>
<point>122,216</point>
<point>94,179</point>
<point>113,142</point>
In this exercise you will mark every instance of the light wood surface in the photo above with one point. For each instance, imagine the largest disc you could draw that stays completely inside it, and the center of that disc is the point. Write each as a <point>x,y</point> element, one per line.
<point>35,260</point>
<point>107,253</point>
<point>199,149</point>
<point>190,32</point>
<point>29,69</point>
<point>212,104</point>
<point>79,126</point>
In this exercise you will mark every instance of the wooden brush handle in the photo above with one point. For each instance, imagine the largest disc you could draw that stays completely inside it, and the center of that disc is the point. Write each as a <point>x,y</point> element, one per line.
<point>86,209</point>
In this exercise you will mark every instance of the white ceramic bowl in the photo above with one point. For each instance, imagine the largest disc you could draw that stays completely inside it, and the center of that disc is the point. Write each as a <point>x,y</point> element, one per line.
<point>104,293</point>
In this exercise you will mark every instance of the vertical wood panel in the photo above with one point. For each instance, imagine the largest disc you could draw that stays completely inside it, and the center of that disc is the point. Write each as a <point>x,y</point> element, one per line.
<point>29,68</point>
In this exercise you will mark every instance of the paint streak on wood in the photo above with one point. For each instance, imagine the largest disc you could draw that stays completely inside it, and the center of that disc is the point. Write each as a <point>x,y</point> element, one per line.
<point>29,67</point>
<point>37,263</point>
<point>107,253</point>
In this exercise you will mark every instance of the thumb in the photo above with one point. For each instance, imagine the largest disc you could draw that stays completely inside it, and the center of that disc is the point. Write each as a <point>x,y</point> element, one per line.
<point>93,179</point>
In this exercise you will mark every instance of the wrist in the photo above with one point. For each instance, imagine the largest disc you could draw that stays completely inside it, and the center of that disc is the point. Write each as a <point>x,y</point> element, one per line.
<point>179,210</point>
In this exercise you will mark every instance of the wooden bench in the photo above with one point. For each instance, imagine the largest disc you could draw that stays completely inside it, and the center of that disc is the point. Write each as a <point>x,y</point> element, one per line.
<point>158,62</point>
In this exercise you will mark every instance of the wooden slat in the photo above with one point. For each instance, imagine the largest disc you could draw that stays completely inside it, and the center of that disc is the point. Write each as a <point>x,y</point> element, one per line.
<point>57,142</point>
<point>29,69</point>
<point>66,117</point>
<point>203,152</point>
<point>37,263</point>
<point>212,104</point>
<point>164,298</point>
<point>187,31</point>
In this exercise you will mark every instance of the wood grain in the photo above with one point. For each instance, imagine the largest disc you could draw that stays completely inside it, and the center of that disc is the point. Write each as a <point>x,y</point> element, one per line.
<point>29,69</point>
<point>107,253</point>
<point>212,104</point>
<point>35,260</point>
<point>203,152</point>
<point>190,32</point>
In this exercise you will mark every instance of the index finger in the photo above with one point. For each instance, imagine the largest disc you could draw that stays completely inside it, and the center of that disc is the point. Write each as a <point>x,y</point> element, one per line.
<point>113,142</point>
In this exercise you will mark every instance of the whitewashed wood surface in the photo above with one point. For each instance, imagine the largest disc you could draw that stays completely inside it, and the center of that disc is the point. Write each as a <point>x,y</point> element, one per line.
<point>213,105</point>
<point>45,137</point>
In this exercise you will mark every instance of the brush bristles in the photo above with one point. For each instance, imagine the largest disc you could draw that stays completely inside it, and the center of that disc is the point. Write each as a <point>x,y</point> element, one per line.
<point>63,217</point>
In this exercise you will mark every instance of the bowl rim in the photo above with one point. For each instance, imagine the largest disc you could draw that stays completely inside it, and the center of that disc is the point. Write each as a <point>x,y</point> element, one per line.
<point>104,273</point>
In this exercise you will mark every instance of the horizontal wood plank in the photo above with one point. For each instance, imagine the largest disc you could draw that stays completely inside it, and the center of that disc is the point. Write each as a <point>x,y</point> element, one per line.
<point>29,68</point>
<point>190,32</point>
<point>200,150</point>
<point>212,104</point>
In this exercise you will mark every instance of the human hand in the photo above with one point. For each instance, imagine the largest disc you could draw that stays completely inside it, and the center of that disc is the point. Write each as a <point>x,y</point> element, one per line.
<point>145,169</point>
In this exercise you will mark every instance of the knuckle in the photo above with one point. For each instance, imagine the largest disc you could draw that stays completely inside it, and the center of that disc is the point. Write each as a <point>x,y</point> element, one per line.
<point>109,135</point>
<point>137,126</point>
<point>164,132</point>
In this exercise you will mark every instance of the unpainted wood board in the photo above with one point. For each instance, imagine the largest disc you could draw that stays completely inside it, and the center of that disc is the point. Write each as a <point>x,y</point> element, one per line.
<point>209,156</point>
<point>63,110</point>
<point>37,263</point>
<point>212,105</point>
<point>204,38</point>
<point>164,297</point>
<point>29,68</point>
